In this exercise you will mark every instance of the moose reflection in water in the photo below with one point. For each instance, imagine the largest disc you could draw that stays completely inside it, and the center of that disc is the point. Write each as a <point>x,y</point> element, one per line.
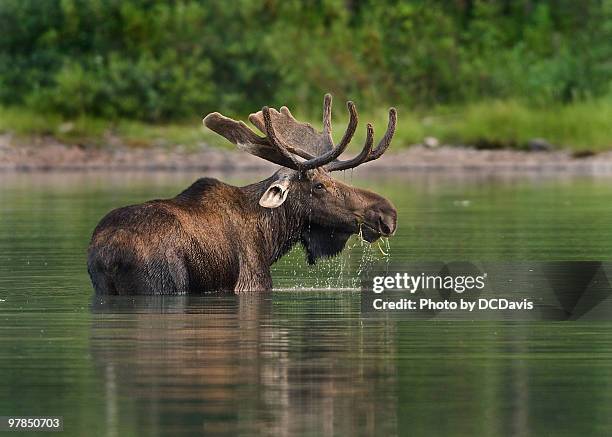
<point>214,236</point>
<point>225,364</point>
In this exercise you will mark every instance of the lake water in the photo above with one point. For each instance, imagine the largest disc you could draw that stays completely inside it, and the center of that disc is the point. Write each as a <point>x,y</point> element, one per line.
<point>301,359</point>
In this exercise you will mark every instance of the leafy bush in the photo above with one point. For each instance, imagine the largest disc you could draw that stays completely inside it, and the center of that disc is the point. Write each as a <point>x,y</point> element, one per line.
<point>159,59</point>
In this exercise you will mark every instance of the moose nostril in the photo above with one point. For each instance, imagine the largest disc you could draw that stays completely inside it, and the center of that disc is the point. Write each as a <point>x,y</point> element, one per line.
<point>384,228</point>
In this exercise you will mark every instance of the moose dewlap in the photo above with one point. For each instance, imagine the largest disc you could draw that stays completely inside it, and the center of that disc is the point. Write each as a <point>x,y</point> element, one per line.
<point>218,237</point>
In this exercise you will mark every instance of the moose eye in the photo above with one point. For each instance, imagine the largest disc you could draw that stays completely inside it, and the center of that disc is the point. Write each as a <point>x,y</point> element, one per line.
<point>319,186</point>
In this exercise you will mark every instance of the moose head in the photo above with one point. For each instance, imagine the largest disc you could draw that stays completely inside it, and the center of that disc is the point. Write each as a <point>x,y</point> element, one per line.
<point>324,210</point>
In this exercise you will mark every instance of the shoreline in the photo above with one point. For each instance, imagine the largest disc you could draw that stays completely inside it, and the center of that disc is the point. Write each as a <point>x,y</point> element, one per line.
<point>46,154</point>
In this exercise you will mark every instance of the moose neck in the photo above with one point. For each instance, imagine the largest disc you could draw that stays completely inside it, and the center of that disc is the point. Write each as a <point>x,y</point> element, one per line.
<point>279,228</point>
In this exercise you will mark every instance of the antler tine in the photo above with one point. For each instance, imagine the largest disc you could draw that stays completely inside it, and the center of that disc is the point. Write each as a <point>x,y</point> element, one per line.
<point>363,156</point>
<point>352,126</point>
<point>386,140</point>
<point>283,149</point>
<point>276,142</point>
<point>338,150</point>
<point>327,125</point>
<point>328,156</point>
<point>367,154</point>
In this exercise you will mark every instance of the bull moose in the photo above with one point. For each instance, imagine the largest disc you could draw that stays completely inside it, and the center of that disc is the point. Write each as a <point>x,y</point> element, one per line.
<point>218,237</point>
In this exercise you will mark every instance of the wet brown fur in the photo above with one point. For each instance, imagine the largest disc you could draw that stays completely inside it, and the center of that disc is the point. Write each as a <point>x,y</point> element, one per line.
<point>214,236</point>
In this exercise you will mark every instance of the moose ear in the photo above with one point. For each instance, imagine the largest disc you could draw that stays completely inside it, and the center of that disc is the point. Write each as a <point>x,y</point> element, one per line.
<point>275,195</point>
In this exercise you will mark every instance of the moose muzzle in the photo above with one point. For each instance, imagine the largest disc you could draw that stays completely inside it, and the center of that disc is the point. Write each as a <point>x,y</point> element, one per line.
<point>379,221</point>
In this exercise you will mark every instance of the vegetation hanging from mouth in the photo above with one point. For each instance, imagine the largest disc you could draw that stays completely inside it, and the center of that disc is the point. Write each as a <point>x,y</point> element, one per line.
<point>386,240</point>
<point>362,240</point>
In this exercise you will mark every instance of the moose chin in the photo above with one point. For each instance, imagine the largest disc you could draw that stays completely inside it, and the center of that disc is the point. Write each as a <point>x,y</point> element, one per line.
<point>218,237</point>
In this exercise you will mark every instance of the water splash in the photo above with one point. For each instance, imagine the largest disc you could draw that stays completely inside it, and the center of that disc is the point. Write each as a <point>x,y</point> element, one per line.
<point>341,272</point>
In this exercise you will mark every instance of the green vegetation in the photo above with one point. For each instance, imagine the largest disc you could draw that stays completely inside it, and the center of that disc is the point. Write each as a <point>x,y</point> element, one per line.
<point>580,126</point>
<point>98,132</point>
<point>494,72</point>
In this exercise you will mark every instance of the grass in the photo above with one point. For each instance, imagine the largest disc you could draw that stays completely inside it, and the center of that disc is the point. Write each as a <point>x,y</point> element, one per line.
<point>579,127</point>
<point>96,132</point>
<point>582,126</point>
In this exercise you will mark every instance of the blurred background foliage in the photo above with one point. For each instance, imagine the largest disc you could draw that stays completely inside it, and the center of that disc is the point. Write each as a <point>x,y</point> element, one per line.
<point>159,60</point>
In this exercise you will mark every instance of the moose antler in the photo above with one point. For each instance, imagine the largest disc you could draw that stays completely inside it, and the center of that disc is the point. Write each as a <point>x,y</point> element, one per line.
<point>367,154</point>
<point>287,139</point>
